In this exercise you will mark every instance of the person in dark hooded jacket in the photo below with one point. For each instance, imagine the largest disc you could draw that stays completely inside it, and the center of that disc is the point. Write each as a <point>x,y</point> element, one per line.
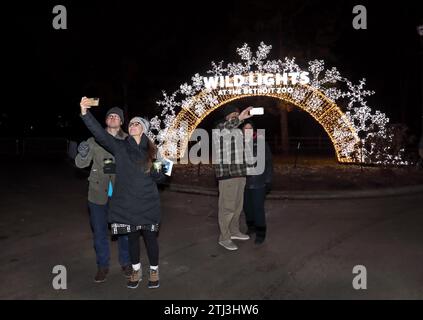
<point>135,204</point>
<point>256,187</point>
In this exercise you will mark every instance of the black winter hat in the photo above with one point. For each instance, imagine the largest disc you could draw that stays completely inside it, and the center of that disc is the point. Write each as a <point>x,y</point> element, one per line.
<point>116,110</point>
<point>229,109</point>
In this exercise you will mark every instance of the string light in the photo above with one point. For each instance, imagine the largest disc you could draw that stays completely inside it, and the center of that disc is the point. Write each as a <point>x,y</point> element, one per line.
<point>321,98</point>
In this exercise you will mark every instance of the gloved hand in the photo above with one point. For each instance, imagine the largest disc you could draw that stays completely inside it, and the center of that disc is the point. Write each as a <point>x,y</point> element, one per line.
<point>83,149</point>
<point>156,175</point>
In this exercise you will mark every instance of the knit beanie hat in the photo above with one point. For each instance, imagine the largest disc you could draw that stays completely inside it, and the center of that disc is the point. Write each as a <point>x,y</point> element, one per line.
<point>229,109</point>
<point>145,123</point>
<point>116,110</point>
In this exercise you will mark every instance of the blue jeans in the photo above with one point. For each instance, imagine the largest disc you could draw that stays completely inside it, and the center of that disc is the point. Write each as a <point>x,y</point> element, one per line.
<point>99,225</point>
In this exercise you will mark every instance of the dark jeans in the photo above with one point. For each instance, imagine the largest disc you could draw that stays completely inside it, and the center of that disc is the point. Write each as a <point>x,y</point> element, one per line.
<point>254,207</point>
<point>254,210</point>
<point>99,225</point>
<point>150,239</point>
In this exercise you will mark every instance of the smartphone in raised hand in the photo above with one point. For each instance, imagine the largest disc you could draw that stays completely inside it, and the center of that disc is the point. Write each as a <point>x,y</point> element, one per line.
<point>94,102</point>
<point>257,111</point>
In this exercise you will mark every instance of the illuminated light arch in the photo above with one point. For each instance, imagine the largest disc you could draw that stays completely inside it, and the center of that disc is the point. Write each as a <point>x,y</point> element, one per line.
<point>328,115</point>
<point>358,133</point>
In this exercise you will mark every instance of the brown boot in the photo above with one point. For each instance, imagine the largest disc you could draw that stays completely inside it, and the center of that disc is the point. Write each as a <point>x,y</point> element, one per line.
<point>135,279</point>
<point>153,280</point>
<point>101,275</point>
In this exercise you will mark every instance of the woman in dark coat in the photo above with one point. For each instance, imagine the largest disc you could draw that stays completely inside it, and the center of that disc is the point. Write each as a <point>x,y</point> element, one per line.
<point>135,204</point>
<point>256,187</point>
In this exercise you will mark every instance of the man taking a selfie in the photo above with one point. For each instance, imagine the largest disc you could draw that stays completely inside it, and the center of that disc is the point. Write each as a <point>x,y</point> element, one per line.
<point>231,175</point>
<point>101,181</point>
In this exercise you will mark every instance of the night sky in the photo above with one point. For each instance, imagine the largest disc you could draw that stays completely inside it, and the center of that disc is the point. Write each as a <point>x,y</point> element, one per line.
<point>157,46</point>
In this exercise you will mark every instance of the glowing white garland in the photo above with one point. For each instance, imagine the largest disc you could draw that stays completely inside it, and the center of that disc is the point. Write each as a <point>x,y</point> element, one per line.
<point>327,81</point>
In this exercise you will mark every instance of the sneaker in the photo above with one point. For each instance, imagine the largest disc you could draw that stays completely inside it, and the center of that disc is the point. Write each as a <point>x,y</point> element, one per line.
<point>259,240</point>
<point>134,280</point>
<point>127,271</point>
<point>228,244</point>
<point>101,275</point>
<point>153,280</point>
<point>240,236</point>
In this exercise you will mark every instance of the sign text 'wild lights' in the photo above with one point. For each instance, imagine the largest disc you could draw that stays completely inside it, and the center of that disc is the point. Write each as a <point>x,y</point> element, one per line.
<point>244,84</point>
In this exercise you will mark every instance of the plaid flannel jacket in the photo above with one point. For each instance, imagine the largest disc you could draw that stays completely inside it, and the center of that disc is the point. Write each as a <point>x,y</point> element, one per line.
<point>229,159</point>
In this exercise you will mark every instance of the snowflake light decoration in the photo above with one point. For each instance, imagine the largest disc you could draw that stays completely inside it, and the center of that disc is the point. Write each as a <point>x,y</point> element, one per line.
<point>186,89</point>
<point>217,69</point>
<point>314,103</point>
<point>356,94</point>
<point>299,94</point>
<point>257,60</point>
<point>326,84</point>
<point>168,103</point>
